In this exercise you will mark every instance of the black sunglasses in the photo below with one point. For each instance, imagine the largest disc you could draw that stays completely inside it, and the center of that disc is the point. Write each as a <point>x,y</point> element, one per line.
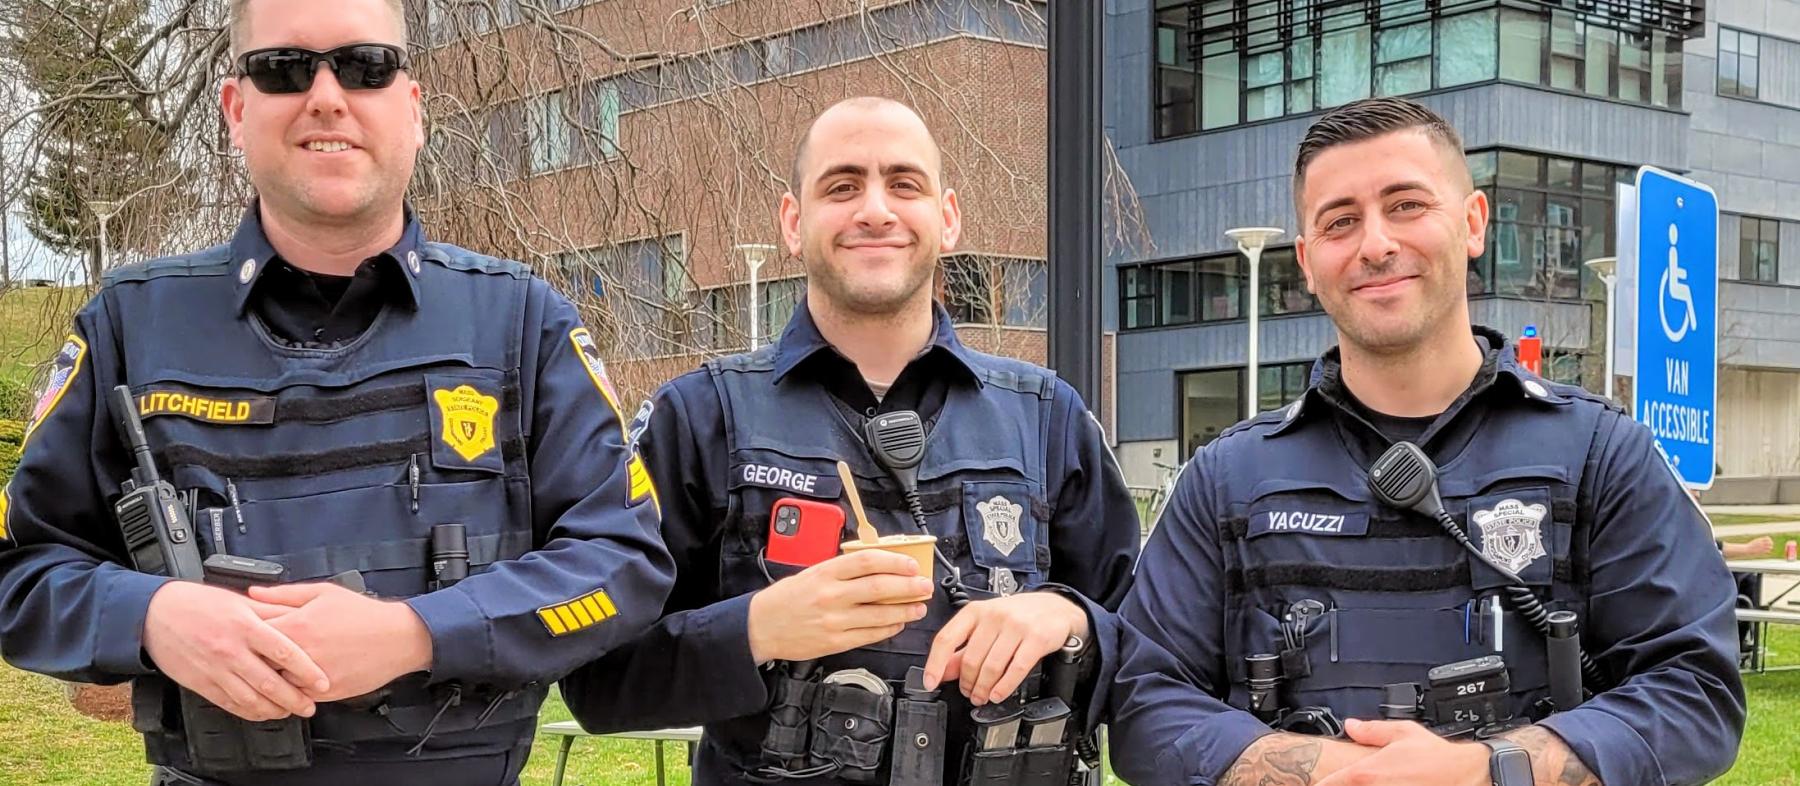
<point>290,69</point>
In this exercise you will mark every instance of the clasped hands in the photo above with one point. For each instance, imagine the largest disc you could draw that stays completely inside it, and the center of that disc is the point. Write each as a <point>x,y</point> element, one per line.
<point>281,650</point>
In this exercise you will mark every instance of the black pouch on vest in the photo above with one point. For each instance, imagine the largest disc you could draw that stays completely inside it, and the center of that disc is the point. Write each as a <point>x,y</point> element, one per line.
<point>994,768</point>
<point>1046,766</point>
<point>1049,766</point>
<point>919,744</point>
<point>150,708</point>
<point>785,744</point>
<point>850,729</point>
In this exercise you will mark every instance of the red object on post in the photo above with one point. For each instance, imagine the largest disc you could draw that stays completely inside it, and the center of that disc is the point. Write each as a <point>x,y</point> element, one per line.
<point>1531,351</point>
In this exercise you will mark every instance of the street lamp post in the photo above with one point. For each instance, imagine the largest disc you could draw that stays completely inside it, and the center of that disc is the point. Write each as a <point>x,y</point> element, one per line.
<point>1250,241</point>
<point>1607,268</point>
<point>755,254</point>
<point>103,212</point>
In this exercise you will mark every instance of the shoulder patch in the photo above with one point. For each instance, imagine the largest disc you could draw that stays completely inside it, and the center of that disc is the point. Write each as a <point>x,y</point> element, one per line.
<point>640,487</point>
<point>64,369</point>
<point>639,423</point>
<point>589,352</point>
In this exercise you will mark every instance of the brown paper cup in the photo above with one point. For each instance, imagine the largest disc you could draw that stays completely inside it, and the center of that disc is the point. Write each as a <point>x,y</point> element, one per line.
<point>918,547</point>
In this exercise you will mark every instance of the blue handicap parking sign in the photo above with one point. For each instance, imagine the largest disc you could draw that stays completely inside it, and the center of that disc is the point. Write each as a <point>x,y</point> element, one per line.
<point>1676,393</point>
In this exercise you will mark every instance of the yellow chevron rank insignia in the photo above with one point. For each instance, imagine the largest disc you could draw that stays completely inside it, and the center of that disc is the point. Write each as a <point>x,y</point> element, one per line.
<point>579,614</point>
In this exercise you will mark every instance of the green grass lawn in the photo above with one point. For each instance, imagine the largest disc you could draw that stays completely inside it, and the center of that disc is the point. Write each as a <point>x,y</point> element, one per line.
<point>1727,519</point>
<point>33,323</point>
<point>1770,755</point>
<point>43,741</point>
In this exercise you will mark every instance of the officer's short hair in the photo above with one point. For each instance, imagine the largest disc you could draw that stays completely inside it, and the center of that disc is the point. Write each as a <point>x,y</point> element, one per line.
<point>237,13</point>
<point>860,102</point>
<point>1367,119</point>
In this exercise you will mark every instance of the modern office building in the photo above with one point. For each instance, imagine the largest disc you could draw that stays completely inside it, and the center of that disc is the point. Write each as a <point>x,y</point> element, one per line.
<point>635,150</point>
<point>1556,101</point>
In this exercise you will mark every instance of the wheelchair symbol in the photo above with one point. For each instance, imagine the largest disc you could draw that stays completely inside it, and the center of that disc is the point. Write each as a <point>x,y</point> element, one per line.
<point>1674,287</point>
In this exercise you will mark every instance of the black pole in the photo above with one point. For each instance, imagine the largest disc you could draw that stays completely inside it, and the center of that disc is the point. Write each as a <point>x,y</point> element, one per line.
<point>1074,198</point>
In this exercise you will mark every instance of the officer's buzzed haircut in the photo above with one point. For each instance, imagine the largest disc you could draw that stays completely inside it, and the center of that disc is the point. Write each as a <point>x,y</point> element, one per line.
<point>1366,119</point>
<point>860,102</point>
<point>237,19</point>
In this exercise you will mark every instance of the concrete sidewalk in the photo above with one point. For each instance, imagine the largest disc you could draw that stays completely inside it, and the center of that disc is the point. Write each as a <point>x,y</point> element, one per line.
<point>1735,531</point>
<point>1785,511</point>
<point>1791,514</point>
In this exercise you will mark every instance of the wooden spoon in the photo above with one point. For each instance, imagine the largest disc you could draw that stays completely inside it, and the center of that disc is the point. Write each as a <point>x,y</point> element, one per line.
<point>864,530</point>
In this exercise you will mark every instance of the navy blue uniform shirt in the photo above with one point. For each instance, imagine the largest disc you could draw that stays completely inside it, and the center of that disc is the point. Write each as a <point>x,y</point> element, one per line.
<point>695,665</point>
<point>581,518</point>
<point>1654,598</point>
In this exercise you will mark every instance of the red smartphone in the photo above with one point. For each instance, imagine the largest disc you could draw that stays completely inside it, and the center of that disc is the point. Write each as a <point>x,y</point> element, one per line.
<point>804,532</point>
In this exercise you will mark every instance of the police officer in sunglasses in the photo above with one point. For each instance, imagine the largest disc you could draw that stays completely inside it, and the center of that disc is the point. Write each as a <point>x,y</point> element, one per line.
<point>334,393</point>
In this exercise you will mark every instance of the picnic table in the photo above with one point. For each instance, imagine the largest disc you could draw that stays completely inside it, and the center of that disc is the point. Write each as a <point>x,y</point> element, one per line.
<point>1770,614</point>
<point>570,731</point>
<point>1769,567</point>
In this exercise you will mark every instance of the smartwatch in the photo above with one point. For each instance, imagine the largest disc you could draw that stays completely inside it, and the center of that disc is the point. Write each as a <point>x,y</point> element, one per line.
<point>1508,764</point>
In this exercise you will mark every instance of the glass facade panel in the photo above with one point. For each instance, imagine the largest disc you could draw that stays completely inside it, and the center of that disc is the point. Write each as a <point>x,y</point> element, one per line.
<point>1221,288</point>
<point>1467,48</point>
<point>1759,249</point>
<point>1521,45</point>
<point>1343,66</point>
<point>1212,401</point>
<point>1219,63</point>
<point>1219,91</point>
<point>1210,289</point>
<point>1740,63</point>
<point>1283,285</point>
<point>1550,215</point>
<point>1568,44</point>
<point>1602,49</point>
<point>1634,68</point>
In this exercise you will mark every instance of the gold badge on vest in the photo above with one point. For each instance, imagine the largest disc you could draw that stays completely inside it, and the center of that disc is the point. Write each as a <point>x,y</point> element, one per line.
<point>467,416</point>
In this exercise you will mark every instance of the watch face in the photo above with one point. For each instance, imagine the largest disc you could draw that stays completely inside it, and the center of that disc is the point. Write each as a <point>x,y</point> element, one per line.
<point>1511,768</point>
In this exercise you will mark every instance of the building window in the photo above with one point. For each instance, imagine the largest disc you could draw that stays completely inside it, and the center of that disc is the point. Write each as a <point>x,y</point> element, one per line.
<point>642,287</point>
<point>986,290</point>
<point>1283,285</point>
<point>550,131</point>
<point>1740,56</point>
<point>1279,384</point>
<point>1759,246</point>
<point>721,323</point>
<point>1220,63</point>
<point>1210,289</point>
<point>598,116</point>
<point>1549,216</point>
<point>1213,401</point>
<point>1563,366</point>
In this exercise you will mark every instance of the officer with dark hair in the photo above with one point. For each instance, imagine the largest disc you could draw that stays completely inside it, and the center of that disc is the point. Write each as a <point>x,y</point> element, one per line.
<point>799,671</point>
<point>335,394</point>
<point>1289,585</point>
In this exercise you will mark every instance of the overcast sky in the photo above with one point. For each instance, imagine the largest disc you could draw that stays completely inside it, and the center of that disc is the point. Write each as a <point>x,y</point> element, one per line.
<point>31,259</point>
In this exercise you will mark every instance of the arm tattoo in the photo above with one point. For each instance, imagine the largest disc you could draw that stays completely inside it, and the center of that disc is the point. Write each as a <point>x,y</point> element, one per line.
<point>1553,763</point>
<point>1276,760</point>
